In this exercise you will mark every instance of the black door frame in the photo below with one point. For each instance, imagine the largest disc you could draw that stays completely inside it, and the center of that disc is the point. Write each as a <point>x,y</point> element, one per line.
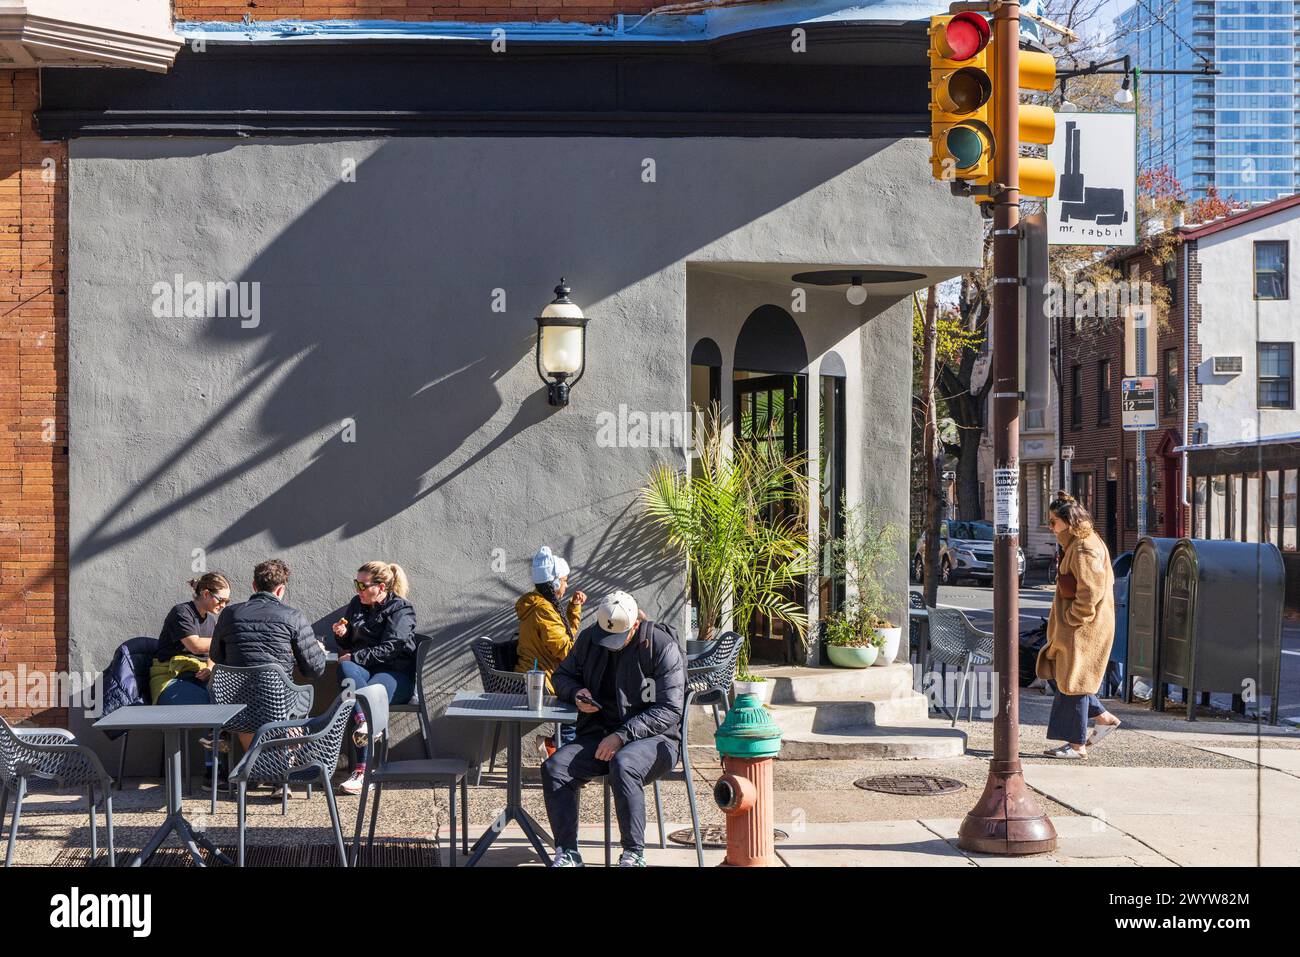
<point>795,436</point>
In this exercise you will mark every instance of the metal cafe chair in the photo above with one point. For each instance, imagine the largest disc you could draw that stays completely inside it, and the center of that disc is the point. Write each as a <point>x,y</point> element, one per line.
<point>955,641</point>
<point>684,761</point>
<point>437,772</point>
<point>51,755</point>
<point>496,662</point>
<point>419,703</point>
<point>295,752</point>
<point>268,695</point>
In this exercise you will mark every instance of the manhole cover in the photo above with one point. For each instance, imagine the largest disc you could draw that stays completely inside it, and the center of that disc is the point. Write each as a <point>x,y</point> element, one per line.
<point>714,836</point>
<point>911,784</point>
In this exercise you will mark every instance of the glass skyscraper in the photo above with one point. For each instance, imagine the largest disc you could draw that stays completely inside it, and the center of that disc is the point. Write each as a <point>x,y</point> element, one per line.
<point>1237,131</point>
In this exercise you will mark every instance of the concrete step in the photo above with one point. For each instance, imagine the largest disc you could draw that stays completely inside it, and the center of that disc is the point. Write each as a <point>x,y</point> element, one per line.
<point>832,715</point>
<point>933,740</point>
<point>793,685</point>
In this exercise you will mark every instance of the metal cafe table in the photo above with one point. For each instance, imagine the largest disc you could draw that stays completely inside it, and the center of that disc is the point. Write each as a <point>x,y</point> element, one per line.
<point>174,720</point>
<point>513,711</point>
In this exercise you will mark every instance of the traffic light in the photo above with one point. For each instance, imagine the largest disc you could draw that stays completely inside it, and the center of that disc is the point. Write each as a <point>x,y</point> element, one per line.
<point>963,114</point>
<point>961,85</point>
<point>1037,123</point>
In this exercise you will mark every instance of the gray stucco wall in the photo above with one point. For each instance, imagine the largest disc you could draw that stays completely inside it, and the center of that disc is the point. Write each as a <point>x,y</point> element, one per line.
<point>376,296</point>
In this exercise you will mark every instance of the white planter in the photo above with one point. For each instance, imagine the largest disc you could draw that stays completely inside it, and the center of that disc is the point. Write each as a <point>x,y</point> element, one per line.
<point>893,637</point>
<point>763,689</point>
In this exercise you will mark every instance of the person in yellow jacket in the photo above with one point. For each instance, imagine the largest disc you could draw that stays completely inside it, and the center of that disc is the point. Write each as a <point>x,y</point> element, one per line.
<point>546,631</point>
<point>1080,631</point>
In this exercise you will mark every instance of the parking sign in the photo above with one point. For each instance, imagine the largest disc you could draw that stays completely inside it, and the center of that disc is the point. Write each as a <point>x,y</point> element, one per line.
<point>1138,401</point>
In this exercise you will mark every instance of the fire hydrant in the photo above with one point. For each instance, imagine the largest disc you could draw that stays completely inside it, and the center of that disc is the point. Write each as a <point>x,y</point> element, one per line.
<point>747,741</point>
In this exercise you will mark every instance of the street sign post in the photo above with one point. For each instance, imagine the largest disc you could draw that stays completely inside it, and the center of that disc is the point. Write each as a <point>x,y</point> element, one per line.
<point>1138,403</point>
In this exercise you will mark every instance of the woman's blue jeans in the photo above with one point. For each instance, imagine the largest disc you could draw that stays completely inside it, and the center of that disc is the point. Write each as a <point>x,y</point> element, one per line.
<point>398,685</point>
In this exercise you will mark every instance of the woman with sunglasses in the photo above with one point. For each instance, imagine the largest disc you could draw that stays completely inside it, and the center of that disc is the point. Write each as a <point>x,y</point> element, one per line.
<point>181,669</point>
<point>377,635</point>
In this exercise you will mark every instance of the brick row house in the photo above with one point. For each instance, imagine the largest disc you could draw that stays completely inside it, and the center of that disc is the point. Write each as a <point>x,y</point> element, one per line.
<point>1224,362</point>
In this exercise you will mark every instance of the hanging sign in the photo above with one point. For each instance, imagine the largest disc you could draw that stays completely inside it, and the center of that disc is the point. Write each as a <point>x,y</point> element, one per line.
<point>1095,155</point>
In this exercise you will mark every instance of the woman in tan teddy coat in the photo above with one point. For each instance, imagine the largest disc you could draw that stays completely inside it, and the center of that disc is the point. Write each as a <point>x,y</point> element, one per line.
<point>1079,632</point>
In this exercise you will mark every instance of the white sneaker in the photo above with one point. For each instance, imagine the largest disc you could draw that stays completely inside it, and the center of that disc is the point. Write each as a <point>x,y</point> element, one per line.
<point>353,784</point>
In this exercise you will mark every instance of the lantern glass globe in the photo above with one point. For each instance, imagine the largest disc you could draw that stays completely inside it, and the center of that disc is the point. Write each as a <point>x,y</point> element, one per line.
<point>856,294</point>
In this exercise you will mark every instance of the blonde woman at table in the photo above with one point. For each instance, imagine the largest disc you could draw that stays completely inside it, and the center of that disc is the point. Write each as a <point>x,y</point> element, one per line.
<point>377,635</point>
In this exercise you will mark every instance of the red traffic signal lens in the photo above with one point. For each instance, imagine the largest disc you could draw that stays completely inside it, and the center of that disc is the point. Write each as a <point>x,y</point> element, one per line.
<point>964,36</point>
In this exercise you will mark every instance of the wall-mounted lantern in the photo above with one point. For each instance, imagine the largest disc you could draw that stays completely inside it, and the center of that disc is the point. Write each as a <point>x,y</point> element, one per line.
<point>561,345</point>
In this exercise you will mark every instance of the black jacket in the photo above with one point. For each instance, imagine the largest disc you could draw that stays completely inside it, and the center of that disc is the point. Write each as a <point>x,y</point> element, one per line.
<point>650,685</point>
<point>263,630</point>
<point>126,681</point>
<point>381,636</point>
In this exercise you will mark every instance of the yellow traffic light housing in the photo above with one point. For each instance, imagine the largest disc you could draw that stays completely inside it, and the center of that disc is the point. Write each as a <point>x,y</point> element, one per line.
<point>963,116</point>
<point>1037,123</point>
<point>961,86</point>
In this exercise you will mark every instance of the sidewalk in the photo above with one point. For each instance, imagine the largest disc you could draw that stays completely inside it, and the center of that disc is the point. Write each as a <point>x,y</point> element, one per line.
<point>1160,792</point>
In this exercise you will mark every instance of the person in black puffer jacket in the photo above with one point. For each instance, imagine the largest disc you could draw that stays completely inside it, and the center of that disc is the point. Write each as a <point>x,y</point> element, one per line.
<point>377,635</point>
<point>264,630</point>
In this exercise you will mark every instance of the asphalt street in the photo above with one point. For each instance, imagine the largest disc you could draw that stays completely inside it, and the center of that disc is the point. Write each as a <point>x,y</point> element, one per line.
<point>1036,600</point>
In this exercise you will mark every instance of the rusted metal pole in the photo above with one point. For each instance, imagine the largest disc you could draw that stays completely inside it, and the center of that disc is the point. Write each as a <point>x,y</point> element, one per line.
<point>1007,818</point>
<point>932,451</point>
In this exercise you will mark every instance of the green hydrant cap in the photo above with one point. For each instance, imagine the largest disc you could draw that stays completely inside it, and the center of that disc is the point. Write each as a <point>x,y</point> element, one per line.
<point>748,731</point>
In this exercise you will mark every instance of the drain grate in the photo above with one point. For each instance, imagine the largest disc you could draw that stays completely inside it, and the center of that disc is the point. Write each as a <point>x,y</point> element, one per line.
<point>391,853</point>
<point>914,785</point>
<point>715,835</point>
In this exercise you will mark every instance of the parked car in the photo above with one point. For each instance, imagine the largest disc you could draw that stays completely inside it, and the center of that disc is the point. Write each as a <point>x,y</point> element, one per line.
<point>965,551</point>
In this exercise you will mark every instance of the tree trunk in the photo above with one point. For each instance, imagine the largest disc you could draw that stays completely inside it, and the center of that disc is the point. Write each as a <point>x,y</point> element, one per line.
<point>932,451</point>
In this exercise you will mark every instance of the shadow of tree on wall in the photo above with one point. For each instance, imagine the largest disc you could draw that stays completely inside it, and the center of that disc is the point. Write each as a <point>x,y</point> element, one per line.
<point>379,391</point>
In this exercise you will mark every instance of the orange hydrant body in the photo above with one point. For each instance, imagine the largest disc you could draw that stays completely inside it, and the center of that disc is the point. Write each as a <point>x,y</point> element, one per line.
<point>749,820</point>
<point>748,741</point>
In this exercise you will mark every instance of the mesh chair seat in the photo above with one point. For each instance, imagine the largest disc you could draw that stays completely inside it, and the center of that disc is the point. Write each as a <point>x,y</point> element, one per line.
<point>955,641</point>
<point>48,754</point>
<point>421,769</point>
<point>286,751</point>
<point>54,755</point>
<point>266,692</point>
<point>953,637</point>
<point>492,670</point>
<point>713,672</point>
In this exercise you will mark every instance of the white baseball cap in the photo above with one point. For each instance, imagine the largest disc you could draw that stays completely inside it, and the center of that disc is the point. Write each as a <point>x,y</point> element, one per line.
<point>616,615</point>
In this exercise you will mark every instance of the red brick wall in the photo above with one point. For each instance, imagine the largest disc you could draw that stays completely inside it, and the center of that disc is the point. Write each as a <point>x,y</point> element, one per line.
<point>33,397</point>
<point>592,11</point>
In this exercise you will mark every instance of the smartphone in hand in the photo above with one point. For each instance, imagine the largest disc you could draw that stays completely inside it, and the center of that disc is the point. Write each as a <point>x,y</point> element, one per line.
<point>586,699</point>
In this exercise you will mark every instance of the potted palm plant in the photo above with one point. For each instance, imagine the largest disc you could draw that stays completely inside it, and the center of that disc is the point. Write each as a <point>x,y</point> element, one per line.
<point>740,521</point>
<point>862,555</point>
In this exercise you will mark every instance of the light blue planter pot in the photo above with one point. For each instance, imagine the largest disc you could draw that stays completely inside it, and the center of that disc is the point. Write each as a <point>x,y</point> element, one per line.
<point>847,656</point>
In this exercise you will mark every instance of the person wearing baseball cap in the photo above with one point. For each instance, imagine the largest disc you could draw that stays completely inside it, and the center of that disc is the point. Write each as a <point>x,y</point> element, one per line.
<point>546,630</point>
<point>627,677</point>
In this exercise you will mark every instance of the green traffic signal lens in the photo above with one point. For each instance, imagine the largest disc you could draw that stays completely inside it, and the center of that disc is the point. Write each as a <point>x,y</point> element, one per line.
<point>965,145</point>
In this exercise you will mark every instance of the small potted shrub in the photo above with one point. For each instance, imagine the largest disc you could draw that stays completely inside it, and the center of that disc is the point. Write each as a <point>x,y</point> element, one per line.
<point>849,644</point>
<point>866,550</point>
